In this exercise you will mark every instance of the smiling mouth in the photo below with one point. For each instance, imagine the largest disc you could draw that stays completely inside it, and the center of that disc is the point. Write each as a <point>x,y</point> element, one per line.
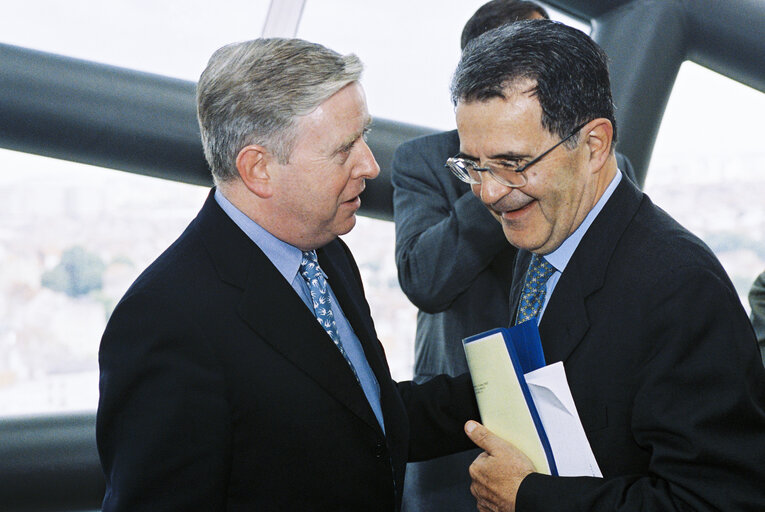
<point>516,212</point>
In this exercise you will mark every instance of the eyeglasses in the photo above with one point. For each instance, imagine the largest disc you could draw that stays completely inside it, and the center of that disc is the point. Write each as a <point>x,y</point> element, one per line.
<point>505,173</point>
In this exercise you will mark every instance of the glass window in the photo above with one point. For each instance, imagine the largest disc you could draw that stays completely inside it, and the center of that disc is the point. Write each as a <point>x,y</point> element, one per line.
<point>72,239</point>
<point>708,168</point>
<point>169,37</point>
<point>409,50</point>
<point>373,242</point>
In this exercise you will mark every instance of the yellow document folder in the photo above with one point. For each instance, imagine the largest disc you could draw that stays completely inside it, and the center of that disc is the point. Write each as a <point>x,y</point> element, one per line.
<point>504,401</point>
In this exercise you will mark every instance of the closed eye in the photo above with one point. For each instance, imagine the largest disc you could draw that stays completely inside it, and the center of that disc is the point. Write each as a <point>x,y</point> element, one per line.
<point>345,150</point>
<point>509,165</point>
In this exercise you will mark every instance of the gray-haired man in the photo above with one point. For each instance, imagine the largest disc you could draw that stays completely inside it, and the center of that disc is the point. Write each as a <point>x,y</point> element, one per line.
<point>219,388</point>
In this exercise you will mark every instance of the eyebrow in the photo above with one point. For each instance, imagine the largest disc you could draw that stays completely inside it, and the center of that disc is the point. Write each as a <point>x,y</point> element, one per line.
<point>500,156</point>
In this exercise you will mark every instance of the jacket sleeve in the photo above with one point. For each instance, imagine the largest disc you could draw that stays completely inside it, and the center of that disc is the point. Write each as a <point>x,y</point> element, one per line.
<point>698,412</point>
<point>442,243</point>
<point>437,412</point>
<point>163,421</point>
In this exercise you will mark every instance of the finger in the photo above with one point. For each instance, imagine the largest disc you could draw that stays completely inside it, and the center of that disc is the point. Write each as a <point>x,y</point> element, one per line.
<point>483,437</point>
<point>475,469</point>
<point>483,508</point>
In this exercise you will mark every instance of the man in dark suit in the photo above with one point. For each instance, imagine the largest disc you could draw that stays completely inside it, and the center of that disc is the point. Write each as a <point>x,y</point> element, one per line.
<point>660,357</point>
<point>219,388</point>
<point>454,264</point>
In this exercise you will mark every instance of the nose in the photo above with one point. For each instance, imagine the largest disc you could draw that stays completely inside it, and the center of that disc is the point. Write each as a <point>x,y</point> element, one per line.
<point>492,190</point>
<point>367,166</point>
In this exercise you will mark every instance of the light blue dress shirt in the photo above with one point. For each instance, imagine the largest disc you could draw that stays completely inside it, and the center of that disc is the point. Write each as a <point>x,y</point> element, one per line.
<point>286,258</point>
<point>560,257</point>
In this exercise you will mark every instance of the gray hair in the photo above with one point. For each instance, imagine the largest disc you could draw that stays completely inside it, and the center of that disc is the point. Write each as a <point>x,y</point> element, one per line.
<point>254,92</point>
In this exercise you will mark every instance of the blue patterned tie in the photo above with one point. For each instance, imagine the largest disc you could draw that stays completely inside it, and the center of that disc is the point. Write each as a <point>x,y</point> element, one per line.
<point>534,289</point>
<point>322,303</point>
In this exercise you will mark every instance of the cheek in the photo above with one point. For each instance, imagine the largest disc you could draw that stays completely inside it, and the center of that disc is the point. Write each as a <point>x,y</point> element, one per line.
<point>560,207</point>
<point>333,197</point>
<point>552,191</point>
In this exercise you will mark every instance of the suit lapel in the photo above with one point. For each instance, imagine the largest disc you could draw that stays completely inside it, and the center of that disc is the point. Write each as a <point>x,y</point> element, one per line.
<point>276,313</point>
<point>566,319</point>
<point>272,309</point>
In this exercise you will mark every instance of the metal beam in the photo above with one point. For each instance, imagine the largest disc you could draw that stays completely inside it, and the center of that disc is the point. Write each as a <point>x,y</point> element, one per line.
<point>283,18</point>
<point>99,115</point>
<point>642,75</point>
<point>648,40</point>
<point>50,463</point>
<point>137,122</point>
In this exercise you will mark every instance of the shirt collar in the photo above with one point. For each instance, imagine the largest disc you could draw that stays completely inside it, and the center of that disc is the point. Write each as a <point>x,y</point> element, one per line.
<point>285,257</point>
<point>560,257</point>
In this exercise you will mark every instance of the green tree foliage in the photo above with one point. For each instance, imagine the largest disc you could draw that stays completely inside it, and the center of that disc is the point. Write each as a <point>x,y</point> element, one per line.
<point>78,273</point>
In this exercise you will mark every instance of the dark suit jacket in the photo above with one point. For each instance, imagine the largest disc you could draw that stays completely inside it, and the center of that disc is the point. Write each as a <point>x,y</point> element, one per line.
<point>455,265</point>
<point>663,367</point>
<point>220,391</point>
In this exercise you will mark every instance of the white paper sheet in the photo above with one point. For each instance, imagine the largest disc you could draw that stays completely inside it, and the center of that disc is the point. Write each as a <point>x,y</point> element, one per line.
<point>573,455</point>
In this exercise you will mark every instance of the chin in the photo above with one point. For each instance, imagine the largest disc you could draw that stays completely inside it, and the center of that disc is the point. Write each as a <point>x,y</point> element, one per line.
<point>521,240</point>
<point>346,226</point>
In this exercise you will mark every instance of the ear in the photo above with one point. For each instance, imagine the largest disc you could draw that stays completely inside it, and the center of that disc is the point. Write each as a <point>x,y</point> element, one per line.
<point>252,163</point>
<point>598,134</point>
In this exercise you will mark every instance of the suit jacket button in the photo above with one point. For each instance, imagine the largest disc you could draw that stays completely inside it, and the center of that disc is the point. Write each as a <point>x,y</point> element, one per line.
<point>379,450</point>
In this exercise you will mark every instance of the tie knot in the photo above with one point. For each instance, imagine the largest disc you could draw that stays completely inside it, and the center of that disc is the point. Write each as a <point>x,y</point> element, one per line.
<point>539,270</point>
<point>309,265</point>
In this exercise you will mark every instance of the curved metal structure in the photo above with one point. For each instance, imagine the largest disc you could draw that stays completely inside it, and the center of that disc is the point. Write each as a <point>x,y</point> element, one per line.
<point>132,121</point>
<point>49,463</point>
<point>146,124</point>
<point>648,40</point>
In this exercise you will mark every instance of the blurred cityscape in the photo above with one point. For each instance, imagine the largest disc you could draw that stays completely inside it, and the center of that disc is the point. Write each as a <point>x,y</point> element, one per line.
<point>73,238</point>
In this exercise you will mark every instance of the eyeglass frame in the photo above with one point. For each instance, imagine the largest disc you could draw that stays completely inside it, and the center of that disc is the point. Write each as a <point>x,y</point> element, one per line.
<point>456,165</point>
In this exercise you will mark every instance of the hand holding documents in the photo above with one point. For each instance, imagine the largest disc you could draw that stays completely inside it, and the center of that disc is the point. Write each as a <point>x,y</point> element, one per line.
<point>535,411</point>
<point>503,397</point>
